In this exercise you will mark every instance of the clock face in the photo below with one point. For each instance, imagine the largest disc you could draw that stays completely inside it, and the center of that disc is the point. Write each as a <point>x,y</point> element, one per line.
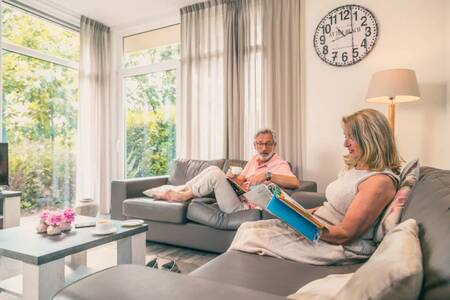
<point>345,35</point>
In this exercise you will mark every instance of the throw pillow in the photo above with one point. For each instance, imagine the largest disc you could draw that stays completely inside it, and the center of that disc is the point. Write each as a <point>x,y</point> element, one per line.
<point>322,289</point>
<point>393,213</point>
<point>394,271</point>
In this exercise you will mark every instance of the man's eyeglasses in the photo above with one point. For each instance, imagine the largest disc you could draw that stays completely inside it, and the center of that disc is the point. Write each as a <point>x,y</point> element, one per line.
<point>268,144</point>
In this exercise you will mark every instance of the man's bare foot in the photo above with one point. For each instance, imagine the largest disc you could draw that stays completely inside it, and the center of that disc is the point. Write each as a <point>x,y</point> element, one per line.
<point>174,196</point>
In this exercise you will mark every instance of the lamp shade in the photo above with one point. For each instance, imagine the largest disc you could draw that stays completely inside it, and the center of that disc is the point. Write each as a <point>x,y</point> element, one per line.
<point>393,86</point>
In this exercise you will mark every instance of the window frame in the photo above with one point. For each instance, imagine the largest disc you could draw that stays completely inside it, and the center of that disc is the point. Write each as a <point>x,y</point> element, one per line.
<point>62,19</point>
<point>21,50</point>
<point>123,73</point>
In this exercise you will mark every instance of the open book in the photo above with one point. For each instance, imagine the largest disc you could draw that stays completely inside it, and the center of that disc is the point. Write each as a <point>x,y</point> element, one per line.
<point>280,204</point>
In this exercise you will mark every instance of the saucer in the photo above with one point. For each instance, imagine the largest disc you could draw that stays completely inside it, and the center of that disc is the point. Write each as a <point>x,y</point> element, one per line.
<point>132,223</point>
<point>114,229</point>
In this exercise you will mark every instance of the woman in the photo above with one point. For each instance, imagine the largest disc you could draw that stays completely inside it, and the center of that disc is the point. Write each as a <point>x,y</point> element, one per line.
<point>355,201</point>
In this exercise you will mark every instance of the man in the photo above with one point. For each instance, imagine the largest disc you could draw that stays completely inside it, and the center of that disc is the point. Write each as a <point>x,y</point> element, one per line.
<point>264,167</point>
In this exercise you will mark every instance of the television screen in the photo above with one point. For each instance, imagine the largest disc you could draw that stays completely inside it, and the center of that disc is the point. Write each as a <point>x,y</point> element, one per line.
<point>4,164</point>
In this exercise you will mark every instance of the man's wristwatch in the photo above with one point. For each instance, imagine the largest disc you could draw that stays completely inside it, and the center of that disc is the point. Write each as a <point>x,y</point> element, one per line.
<point>269,176</point>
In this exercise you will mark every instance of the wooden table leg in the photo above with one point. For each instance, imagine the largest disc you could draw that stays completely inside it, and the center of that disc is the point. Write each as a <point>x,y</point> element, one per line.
<point>41,282</point>
<point>131,250</point>
<point>11,212</point>
<point>78,259</point>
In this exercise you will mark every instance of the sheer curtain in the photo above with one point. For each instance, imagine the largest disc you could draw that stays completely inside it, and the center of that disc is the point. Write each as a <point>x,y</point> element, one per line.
<point>240,72</point>
<point>273,74</point>
<point>93,136</point>
<point>203,128</point>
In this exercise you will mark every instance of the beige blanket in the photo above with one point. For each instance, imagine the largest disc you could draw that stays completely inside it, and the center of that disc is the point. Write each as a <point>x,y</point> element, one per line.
<point>275,238</point>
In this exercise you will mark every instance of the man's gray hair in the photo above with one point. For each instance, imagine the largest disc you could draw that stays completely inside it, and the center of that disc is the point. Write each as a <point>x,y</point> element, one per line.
<point>267,131</point>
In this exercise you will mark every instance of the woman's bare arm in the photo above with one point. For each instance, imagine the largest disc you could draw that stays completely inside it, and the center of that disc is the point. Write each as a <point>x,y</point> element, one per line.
<point>372,197</point>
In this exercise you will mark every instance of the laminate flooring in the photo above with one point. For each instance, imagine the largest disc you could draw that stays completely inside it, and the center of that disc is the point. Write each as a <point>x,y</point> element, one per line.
<point>104,256</point>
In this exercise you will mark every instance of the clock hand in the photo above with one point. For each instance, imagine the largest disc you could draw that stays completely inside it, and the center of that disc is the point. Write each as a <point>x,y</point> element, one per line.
<point>343,34</point>
<point>351,26</point>
<point>338,38</point>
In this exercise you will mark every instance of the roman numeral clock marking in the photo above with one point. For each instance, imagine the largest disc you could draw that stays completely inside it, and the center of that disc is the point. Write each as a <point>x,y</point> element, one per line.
<point>345,35</point>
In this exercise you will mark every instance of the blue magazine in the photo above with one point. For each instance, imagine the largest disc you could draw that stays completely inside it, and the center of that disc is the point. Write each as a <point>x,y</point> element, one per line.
<point>303,225</point>
<point>281,205</point>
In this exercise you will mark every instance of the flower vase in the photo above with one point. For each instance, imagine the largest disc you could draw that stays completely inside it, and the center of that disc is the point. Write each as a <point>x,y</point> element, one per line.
<point>65,226</point>
<point>42,227</point>
<point>53,230</point>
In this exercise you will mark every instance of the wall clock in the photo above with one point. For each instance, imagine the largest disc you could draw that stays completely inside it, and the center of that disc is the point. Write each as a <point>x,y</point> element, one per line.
<point>346,35</point>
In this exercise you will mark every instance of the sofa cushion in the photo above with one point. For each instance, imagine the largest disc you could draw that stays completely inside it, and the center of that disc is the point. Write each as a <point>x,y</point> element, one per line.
<point>155,210</point>
<point>183,170</point>
<point>210,215</point>
<point>429,204</point>
<point>128,282</point>
<point>394,271</point>
<point>264,273</point>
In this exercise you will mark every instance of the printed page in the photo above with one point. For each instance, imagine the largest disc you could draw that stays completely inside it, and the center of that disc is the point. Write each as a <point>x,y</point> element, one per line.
<point>259,195</point>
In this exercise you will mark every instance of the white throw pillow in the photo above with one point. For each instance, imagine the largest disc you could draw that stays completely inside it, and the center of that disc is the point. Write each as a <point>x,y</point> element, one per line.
<point>322,289</point>
<point>394,271</point>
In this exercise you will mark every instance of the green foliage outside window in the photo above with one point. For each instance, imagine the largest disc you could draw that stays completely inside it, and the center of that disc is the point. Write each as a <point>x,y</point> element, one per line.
<point>150,114</point>
<point>150,123</point>
<point>39,116</point>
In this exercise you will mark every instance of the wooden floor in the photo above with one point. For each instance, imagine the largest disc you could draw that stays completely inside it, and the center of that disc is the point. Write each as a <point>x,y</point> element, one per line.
<point>104,256</point>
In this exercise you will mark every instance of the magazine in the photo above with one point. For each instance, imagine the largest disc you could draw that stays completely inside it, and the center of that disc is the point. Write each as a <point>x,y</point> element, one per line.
<point>239,190</point>
<point>277,202</point>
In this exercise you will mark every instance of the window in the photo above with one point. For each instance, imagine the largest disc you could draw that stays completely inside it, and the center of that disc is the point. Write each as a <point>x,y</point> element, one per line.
<point>39,106</point>
<point>151,62</point>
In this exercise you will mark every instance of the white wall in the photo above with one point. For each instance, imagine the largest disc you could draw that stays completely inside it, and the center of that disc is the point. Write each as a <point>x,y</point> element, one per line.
<point>412,34</point>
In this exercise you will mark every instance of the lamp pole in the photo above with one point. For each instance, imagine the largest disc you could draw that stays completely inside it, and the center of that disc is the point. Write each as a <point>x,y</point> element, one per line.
<point>391,114</point>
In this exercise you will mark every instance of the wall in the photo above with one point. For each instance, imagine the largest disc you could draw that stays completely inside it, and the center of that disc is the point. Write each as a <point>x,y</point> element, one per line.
<point>412,34</point>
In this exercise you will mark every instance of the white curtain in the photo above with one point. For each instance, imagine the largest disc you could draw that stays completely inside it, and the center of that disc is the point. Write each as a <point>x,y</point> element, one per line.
<point>240,72</point>
<point>94,111</point>
<point>273,73</point>
<point>202,129</point>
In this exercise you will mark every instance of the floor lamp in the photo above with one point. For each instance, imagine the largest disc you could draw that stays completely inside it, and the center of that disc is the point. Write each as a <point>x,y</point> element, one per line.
<point>391,87</point>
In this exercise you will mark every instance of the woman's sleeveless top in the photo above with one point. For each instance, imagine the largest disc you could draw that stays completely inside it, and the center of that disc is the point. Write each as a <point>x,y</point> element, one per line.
<point>340,194</point>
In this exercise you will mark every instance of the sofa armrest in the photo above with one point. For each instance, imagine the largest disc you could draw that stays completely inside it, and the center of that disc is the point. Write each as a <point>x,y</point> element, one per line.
<point>305,186</point>
<point>309,199</point>
<point>130,188</point>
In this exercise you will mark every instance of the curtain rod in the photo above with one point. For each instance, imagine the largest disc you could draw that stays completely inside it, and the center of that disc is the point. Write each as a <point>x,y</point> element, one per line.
<point>204,5</point>
<point>42,14</point>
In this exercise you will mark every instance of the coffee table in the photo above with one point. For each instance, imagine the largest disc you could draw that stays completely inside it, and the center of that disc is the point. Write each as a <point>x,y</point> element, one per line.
<point>43,257</point>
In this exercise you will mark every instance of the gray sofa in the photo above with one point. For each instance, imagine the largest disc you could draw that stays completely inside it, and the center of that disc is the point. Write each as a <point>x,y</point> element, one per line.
<point>236,275</point>
<point>197,224</point>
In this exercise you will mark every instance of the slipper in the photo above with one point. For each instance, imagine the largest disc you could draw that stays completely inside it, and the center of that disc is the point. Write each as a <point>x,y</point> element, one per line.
<point>171,266</point>
<point>153,263</point>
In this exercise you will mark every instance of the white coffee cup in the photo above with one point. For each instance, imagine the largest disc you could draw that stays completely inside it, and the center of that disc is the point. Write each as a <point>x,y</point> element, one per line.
<point>236,170</point>
<point>103,225</point>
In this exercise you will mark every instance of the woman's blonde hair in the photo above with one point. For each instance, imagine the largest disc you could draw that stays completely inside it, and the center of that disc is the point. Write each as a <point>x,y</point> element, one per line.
<point>371,131</point>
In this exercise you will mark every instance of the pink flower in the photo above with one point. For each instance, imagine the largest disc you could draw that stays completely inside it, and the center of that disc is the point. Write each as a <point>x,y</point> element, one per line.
<point>68,215</point>
<point>54,218</point>
<point>44,215</point>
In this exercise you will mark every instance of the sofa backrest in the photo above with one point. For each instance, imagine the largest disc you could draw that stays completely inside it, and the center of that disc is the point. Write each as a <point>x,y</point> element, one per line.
<point>183,170</point>
<point>239,163</point>
<point>430,206</point>
<point>234,163</point>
